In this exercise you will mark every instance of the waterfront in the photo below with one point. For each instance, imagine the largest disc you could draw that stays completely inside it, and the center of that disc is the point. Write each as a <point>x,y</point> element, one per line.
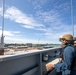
<point>23,49</point>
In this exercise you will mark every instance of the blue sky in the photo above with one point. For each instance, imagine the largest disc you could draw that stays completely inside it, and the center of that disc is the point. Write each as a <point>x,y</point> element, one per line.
<point>36,21</point>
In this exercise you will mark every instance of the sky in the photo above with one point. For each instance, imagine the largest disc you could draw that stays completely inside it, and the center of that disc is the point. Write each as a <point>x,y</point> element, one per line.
<point>36,21</point>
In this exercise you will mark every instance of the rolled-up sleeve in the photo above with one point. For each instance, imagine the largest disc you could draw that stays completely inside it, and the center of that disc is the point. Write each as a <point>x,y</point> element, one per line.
<point>58,67</point>
<point>68,56</point>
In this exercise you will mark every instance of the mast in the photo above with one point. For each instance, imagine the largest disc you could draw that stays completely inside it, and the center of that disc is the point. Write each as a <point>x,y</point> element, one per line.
<point>72,17</point>
<point>3,19</point>
<point>2,37</point>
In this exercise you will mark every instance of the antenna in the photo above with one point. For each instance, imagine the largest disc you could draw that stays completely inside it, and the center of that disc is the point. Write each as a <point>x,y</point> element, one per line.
<point>2,37</point>
<point>3,19</point>
<point>72,17</point>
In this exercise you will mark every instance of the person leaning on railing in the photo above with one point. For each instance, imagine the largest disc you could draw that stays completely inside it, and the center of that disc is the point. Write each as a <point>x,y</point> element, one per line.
<point>64,68</point>
<point>73,65</point>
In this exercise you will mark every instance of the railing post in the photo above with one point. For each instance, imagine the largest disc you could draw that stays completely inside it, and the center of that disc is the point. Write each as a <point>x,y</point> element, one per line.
<point>1,51</point>
<point>40,63</point>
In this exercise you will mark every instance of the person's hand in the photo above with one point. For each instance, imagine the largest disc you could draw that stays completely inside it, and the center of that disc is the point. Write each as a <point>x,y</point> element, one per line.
<point>49,66</point>
<point>60,59</point>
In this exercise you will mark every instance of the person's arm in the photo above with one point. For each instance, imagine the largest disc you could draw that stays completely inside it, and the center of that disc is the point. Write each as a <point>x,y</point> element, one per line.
<point>68,56</point>
<point>50,65</point>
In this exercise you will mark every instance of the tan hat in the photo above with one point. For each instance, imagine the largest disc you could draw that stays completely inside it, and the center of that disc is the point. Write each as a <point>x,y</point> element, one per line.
<point>67,37</point>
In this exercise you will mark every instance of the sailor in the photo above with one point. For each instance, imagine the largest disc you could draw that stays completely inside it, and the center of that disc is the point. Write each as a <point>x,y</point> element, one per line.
<point>64,67</point>
<point>73,65</point>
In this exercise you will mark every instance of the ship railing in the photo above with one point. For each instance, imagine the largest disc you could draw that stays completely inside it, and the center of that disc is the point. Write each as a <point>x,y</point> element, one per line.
<point>28,63</point>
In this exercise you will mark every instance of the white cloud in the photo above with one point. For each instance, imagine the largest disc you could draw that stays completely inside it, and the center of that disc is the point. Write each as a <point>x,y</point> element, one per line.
<point>1,10</point>
<point>52,17</point>
<point>10,33</point>
<point>16,15</point>
<point>56,27</point>
<point>63,7</point>
<point>16,32</point>
<point>21,40</point>
<point>37,4</point>
<point>0,27</point>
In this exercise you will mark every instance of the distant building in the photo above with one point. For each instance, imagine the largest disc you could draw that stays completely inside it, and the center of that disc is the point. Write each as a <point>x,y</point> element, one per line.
<point>29,44</point>
<point>11,47</point>
<point>21,47</point>
<point>46,47</point>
